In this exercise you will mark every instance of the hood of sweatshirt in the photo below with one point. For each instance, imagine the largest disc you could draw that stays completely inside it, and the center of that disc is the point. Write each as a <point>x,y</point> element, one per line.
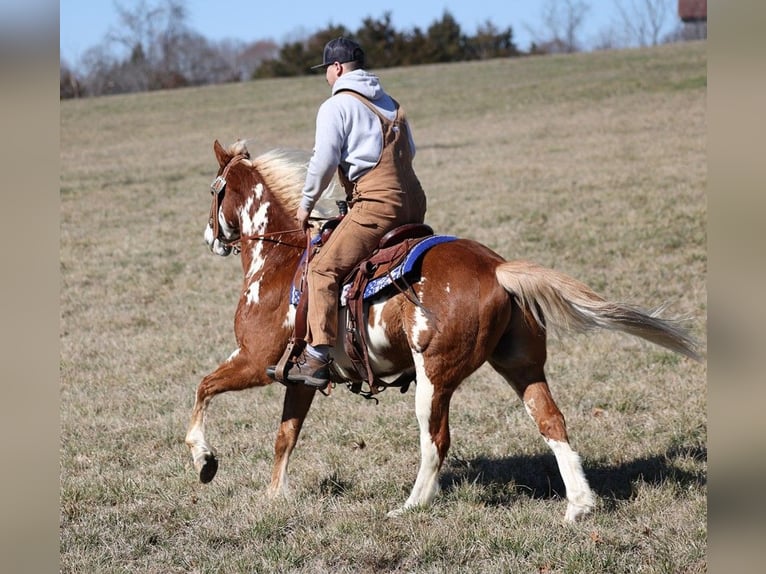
<point>360,81</point>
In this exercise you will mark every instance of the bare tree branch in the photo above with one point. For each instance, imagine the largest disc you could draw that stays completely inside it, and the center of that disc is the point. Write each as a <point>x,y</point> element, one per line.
<point>562,21</point>
<point>643,20</point>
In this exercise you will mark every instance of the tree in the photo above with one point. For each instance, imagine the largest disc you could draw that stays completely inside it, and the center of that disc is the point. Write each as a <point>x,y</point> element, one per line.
<point>643,20</point>
<point>249,58</point>
<point>297,58</point>
<point>562,20</point>
<point>153,48</point>
<point>381,42</point>
<point>446,42</point>
<point>70,86</point>
<point>489,42</point>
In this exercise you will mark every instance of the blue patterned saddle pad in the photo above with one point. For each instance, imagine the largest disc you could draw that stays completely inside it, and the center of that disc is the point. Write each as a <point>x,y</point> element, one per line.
<point>407,265</point>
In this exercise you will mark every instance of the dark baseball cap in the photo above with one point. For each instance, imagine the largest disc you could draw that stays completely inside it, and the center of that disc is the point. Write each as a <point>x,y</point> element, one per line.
<point>341,50</point>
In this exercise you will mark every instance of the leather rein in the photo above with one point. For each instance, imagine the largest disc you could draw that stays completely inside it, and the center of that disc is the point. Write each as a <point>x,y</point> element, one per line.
<point>216,189</point>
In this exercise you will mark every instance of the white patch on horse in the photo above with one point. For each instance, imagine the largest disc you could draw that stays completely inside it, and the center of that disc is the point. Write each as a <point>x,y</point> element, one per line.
<point>258,191</point>
<point>289,321</point>
<point>233,355</point>
<point>377,338</point>
<point>447,288</point>
<point>426,484</point>
<point>579,495</point>
<point>254,224</point>
<point>253,293</point>
<point>226,230</point>
<point>419,326</point>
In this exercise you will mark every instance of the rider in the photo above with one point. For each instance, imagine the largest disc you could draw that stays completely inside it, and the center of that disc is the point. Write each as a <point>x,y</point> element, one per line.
<point>363,134</point>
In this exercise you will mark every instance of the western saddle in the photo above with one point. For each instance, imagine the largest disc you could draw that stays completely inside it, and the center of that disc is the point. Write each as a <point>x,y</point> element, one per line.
<point>391,251</point>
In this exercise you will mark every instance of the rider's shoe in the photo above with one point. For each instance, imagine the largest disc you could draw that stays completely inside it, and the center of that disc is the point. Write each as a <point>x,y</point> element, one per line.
<point>308,370</point>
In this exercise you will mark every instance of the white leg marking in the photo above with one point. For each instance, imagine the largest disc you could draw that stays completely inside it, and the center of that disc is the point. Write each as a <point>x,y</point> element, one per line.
<point>580,499</point>
<point>426,484</point>
<point>529,406</point>
<point>195,437</point>
<point>282,487</point>
<point>579,495</point>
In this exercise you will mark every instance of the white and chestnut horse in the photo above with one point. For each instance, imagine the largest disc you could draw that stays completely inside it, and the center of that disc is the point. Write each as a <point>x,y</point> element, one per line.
<point>472,306</point>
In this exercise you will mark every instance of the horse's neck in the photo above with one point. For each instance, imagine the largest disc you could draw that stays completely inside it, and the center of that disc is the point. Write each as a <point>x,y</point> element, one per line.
<point>262,213</point>
<point>269,251</point>
<point>269,256</point>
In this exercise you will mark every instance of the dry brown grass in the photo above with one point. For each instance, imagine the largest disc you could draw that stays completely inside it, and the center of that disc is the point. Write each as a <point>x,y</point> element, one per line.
<point>594,164</point>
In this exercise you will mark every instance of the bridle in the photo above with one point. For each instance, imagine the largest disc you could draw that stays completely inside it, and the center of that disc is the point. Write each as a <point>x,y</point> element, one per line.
<point>217,189</point>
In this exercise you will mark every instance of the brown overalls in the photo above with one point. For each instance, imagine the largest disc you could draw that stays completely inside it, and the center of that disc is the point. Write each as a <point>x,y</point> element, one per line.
<point>386,196</point>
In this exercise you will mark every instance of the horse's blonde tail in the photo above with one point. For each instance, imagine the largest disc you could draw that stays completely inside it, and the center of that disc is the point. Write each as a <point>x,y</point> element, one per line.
<point>563,302</point>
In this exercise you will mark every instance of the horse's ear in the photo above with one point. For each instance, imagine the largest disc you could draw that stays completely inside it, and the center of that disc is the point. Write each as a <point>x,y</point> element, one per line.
<point>220,153</point>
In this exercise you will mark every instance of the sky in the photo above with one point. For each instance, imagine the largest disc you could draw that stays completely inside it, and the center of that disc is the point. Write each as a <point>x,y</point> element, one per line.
<point>85,23</point>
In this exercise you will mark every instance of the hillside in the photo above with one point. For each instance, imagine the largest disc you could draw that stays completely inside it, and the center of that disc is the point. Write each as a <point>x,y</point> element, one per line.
<point>594,164</point>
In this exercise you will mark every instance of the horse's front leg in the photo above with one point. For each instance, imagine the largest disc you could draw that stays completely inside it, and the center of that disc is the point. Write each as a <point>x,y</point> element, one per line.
<point>236,373</point>
<point>298,399</point>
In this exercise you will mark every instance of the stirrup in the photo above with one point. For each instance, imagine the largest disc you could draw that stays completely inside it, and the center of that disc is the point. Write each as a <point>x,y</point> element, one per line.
<point>294,348</point>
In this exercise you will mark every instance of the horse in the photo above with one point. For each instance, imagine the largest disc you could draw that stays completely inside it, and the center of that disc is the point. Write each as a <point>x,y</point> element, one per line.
<point>472,306</point>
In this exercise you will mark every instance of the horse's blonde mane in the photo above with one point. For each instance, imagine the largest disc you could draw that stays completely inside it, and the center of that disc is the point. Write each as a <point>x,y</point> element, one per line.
<point>284,173</point>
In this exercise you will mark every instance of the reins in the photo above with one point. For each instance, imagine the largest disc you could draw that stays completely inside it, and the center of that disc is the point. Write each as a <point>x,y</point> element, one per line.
<point>235,244</point>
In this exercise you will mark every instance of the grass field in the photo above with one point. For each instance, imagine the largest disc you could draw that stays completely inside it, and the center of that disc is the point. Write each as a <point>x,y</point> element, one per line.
<point>594,164</point>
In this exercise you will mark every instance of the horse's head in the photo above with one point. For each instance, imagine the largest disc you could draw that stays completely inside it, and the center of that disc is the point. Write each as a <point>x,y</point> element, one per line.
<point>224,227</point>
<point>250,195</point>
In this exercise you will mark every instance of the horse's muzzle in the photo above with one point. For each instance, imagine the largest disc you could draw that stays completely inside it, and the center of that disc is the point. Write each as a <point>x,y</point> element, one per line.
<point>216,245</point>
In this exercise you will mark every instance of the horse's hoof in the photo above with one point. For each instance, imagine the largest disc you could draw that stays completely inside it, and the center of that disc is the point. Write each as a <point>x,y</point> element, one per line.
<point>397,512</point>
<point>209,468</point>
<point>576,513</point>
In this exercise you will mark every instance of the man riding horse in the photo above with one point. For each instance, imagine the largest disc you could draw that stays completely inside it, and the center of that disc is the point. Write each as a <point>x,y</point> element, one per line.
<point>363,134</point>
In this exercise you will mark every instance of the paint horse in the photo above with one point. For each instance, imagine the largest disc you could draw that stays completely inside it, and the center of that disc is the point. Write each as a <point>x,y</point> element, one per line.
<point>472,307</point>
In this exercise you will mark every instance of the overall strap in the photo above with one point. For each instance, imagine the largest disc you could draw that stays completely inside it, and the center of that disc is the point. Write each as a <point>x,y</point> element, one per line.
<point>370,105</point>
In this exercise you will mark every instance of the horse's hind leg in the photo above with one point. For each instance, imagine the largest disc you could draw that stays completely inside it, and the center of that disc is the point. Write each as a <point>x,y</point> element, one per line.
<point>520,358</point>
<point>543,410</point>
<point>234,374</point>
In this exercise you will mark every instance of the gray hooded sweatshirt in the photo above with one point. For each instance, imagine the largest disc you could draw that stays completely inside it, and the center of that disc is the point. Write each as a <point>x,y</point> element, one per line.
<point>347,133</point>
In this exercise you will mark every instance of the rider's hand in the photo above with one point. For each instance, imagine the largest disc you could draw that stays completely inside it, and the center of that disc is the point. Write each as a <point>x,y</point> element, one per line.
<point>303,218</point>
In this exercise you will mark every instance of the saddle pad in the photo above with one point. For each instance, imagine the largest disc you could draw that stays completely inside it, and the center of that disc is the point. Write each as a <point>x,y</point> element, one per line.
<point>407,265</point>
<point>376,285</point>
